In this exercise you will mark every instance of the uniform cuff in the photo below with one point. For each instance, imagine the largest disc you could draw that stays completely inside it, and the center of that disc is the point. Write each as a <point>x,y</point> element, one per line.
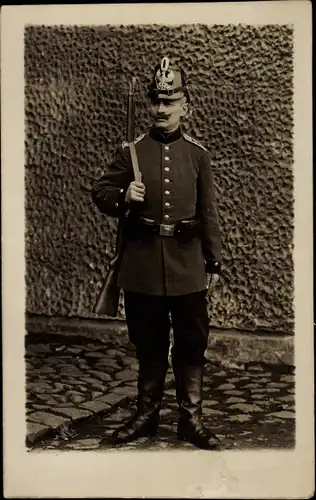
<point>120,203</point>
<point>213,267</point>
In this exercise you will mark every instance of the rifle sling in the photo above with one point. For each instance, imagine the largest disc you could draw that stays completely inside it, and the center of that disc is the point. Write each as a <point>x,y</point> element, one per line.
<point>137,173</point>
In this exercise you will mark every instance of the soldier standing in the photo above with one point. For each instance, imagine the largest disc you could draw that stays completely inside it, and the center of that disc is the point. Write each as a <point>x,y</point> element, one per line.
<point>172,256</point>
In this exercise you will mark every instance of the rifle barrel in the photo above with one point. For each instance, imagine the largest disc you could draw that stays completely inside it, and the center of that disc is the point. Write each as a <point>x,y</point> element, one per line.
<point>131,112</point>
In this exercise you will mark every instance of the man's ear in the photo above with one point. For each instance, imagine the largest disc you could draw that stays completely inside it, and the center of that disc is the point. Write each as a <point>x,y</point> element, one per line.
<point>185,108</point>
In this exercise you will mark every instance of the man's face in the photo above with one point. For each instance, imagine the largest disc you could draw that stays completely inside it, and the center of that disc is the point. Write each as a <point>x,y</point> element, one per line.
<point>167,113</point>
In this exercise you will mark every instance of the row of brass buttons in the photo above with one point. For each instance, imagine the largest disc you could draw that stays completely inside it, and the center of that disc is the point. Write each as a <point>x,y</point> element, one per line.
<point>167,193</point>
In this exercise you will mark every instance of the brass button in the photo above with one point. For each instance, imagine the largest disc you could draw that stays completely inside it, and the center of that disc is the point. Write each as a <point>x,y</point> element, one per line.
<point>167,180</point>
<point>167,158</point>
<point>167,148</point>
<point>167,169</point>
<point>166,216</point>
<point>167,204</point>
<point>167,192</point>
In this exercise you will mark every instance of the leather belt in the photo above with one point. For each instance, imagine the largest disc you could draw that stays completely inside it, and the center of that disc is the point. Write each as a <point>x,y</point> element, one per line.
<point>143,228</point>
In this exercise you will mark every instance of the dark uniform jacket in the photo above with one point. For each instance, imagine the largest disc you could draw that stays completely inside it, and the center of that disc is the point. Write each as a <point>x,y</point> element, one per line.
<point>177,173</point>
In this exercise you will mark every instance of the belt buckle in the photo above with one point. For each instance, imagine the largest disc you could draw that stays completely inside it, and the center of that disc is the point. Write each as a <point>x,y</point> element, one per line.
<point>166,230</point>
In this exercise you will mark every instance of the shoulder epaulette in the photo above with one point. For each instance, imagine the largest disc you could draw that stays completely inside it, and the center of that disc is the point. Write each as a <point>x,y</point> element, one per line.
<point>139,138</point>
<point>194,141</point>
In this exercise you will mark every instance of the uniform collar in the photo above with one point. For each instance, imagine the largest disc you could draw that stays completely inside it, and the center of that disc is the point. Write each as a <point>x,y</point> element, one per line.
<point>165,137</point>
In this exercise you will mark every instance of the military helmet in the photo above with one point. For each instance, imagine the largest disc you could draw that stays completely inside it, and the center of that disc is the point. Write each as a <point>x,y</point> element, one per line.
<point>168,82</point>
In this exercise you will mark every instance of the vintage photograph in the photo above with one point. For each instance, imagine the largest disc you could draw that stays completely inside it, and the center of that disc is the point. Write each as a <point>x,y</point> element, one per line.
<point>157,250</point>
<point>159,237</point>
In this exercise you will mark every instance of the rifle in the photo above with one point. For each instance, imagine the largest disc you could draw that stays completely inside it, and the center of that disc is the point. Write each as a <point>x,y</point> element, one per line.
<point>108,299</point>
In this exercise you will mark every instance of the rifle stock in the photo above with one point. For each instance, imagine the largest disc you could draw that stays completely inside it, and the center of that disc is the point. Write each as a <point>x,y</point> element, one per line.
<point>108,299</point>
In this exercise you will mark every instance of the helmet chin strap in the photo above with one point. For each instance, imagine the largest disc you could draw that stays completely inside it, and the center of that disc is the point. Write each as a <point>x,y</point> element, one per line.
<point>169,92</point>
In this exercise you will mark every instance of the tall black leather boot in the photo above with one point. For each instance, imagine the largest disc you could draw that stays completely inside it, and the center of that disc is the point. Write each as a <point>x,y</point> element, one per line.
<point>176,373</point>
<point>145,421</point>
<point>189,382</point>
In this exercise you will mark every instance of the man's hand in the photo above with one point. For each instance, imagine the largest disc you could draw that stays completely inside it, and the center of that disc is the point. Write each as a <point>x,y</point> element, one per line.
<point>211,280</point>
<point>136,192</point>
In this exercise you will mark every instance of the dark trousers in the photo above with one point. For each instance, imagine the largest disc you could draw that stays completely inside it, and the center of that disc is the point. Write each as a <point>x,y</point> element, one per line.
<point>149,319</point>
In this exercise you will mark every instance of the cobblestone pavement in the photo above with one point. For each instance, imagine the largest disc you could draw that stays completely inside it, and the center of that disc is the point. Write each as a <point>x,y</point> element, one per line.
<point>79,391</point>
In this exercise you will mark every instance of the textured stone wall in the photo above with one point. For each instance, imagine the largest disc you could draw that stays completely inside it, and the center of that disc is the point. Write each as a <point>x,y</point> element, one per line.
<point>75,87</point>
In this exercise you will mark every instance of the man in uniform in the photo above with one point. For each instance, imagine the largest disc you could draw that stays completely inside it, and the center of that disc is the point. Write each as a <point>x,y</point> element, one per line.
<point>172,256</point>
